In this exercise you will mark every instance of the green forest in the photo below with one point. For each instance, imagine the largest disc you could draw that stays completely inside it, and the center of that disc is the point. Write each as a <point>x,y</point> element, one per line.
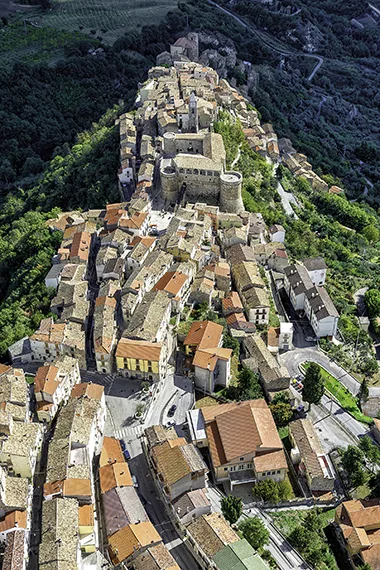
<point>59,146</point>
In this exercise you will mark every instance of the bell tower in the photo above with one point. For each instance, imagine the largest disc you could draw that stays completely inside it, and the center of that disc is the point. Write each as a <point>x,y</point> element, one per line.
<point>193,114</point>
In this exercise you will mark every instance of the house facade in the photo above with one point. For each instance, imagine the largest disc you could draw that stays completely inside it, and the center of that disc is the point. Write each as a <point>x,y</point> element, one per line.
<point>243,442</point>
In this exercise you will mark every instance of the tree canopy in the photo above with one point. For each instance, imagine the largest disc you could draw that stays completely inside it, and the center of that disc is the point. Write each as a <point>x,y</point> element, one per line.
<point>232,508</point>
<point>313,384</point>
<point>255,532</point>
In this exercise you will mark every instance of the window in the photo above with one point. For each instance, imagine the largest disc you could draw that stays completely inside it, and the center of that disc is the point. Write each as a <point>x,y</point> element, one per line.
<point>226,469</point>
<point>241,458</point>
<point>249,465</point>
<point>273,472</point>
<point>241,467</point>
<point>150,366</point>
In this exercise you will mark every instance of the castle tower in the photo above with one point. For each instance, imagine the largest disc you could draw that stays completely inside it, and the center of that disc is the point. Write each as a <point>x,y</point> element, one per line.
<point>230,192</point>
<point>193,53</point>
<point>193,114</point>
<point>168,175</point>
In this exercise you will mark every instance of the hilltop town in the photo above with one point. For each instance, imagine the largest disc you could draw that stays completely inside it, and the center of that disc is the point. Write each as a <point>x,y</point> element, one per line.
<point>174,370</point>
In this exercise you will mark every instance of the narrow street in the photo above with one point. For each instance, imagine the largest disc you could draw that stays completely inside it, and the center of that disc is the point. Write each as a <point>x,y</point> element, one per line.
<point>93,289</point>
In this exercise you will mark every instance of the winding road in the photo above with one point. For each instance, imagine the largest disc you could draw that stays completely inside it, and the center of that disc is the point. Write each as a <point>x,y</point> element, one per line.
<point>261,37</point>
<point>294,358</point>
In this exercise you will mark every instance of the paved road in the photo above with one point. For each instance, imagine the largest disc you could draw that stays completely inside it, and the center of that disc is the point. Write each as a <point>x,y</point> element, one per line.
<point>287,199</point>
<point>121,399</point>
<point>269,44</point>
<point>294,358</point>
<point>156,510</point>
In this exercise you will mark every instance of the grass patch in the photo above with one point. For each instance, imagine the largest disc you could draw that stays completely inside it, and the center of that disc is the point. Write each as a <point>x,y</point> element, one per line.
<point>205,402</point>
<point>361,492</point>
<point>283,432</point>
<point>29,379</point>
<point>344,397</point>
<point>109,20</point>
<point>287,521</point>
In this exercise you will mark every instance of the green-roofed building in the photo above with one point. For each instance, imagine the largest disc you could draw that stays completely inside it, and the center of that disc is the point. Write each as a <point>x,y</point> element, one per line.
<point>239,556</point>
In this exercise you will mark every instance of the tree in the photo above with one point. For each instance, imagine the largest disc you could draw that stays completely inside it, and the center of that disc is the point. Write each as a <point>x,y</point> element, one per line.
<point>300,537</point>
<point>365,566</point>
<point>285,490</point>
<point>353,461</point>
<point>313,384</point>
<point>231,342</point>
<point>282,413</point>
<point>267,490</point>
<point>232,508</point>
<point>371,233</point>
<point>255,532</point>
<point>372,301</point>
<point>374,484</point>
<point>370,450</point>
<point>363,391</point>
<point>311,521</point>
<point>248,386</point>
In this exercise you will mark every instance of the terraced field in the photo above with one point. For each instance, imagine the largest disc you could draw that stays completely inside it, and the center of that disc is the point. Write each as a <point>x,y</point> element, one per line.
<point>109,20</point>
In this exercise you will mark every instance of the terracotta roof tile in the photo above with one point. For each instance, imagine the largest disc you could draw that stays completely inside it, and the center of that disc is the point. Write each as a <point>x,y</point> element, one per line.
<point>86,515</point>
<point>171,282</point>
<point>111,452</point>
<point>131,538</point>
<point>233,302</point>
<point>138,349</point>
<point>77,488</point>
<point>114,475</point>
<point>204,334</point>
<point>80,246</point>
<point>208,358</point>
<point>237,429</point>
<point>270,461</point>
<point>93,391</point>
<point>45,379</point>
<point>12,520</point>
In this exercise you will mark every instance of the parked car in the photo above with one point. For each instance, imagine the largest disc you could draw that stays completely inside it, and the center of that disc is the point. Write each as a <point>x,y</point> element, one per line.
<point>172,410</point>
<point>135,482</point>
<point>122,444</point>
<point>126,454</point>
<point>311,338</point>
<point>170,423</point>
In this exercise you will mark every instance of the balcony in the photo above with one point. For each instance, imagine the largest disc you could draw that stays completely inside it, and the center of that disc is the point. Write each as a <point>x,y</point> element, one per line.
<point>242,477</point>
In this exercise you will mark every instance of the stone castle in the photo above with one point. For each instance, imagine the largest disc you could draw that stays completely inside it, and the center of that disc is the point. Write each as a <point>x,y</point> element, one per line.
<point>171,140</point>
<point>193,167</point>
<point>193,163</point>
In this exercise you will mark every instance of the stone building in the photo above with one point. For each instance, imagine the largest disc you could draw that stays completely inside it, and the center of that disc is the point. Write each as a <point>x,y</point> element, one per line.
<point>194,164</point>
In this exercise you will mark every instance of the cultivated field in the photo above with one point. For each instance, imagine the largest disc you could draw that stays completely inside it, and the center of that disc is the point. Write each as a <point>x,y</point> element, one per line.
<point>28,44</point>
<point>108,19</point>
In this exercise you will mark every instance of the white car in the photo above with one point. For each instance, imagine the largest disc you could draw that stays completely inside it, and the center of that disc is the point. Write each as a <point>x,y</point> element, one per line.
<point>135,482</point>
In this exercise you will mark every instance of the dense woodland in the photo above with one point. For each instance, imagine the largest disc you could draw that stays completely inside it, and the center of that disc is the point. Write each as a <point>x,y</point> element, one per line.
<point>59,147</point>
